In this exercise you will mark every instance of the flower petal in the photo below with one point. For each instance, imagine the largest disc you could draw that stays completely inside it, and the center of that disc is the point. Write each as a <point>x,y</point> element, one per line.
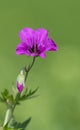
<point>21,48</point>
<point>20,87</point>
<point>42,35</point>
<point>42,55</point>
<point>27,35</point>
<point>51,45</point>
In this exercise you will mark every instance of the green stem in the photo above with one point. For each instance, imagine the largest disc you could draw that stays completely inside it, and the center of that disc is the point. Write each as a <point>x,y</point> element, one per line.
<point>16,101</point>
<point>29,68</point>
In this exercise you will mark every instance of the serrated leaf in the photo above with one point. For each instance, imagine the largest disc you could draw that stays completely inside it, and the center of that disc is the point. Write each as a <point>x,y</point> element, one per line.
<point>12,123</point>
<point>33,96</point>
<point>29,95</point>
<point>5,94</point>
<point>18,125</point>
<point>25,123</point>
<point>11,98</point>
<point>32,92</point>
<point>23,97</point>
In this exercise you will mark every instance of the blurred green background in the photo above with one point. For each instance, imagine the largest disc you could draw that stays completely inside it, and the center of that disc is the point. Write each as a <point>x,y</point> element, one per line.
<point>58,75</point>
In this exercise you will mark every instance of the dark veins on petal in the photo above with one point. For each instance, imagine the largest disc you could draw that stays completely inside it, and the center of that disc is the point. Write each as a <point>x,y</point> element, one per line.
<point>34,49</point>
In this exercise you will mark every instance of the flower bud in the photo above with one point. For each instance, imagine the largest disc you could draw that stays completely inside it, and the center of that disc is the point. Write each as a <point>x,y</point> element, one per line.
<point>20,81</point>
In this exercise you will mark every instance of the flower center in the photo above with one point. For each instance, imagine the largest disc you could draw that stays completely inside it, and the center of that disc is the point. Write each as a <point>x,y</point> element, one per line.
<point>34,49</point>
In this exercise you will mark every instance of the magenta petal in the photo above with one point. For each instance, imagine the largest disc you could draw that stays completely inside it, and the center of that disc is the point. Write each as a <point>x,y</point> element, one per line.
<point>27,35</point>
<point>21,48</point>
<point>42,55</point>
<point>51,45</point>
<point>30,54</point>
<point>42,35</point>
<point>20,87</point>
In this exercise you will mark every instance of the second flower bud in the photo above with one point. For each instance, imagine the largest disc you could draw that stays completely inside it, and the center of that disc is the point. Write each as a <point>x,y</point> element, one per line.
<point>21,81</point>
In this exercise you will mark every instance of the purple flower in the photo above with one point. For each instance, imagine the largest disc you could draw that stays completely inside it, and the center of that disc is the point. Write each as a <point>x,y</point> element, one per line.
<point>35,42</point>
<point>20,81</point>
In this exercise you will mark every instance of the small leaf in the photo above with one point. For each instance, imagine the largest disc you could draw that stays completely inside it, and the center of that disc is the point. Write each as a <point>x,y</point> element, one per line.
<point>29,95</point>
<point>11,99</point>
<point>32,92</point>
<point>18,125</point>
<point>5,94</point>
<point>25,123</point>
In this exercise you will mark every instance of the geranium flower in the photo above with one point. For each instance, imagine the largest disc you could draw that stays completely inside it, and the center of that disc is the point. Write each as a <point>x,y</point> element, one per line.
<point>35,42</point>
